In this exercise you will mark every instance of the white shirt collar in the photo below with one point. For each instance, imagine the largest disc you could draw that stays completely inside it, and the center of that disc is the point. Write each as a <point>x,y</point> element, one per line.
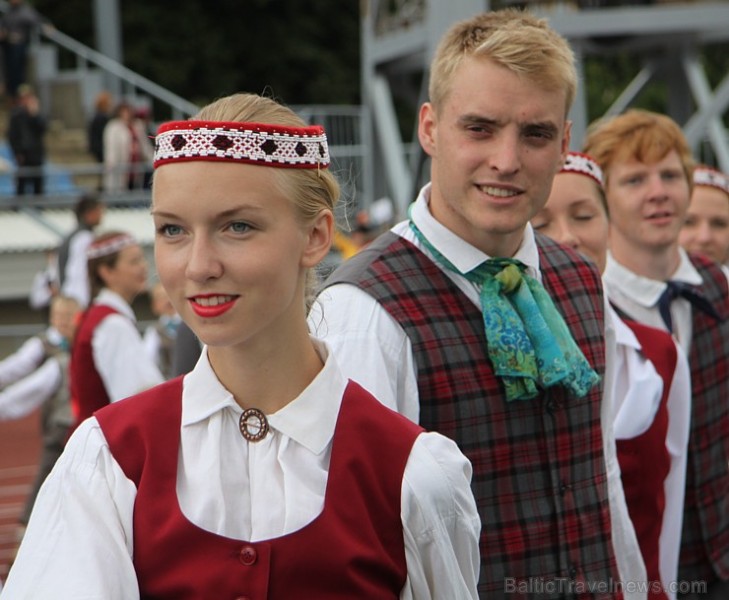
<point>310,419</point>
<point>643,290</point>
<point>624,335</point>
<point>686,270</point>
<point>463,255</point>
<point>115,301</point>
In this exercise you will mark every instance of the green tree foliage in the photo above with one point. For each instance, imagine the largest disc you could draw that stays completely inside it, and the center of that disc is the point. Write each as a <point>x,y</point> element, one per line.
<point>300,51</point>
<point>607,75</point>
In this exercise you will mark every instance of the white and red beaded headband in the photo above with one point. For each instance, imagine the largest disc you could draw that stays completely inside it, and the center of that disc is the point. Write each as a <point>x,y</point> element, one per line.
<point>712,178</point>
<point>255,143</point>
<point>110,246</point>
<point>577,162</point>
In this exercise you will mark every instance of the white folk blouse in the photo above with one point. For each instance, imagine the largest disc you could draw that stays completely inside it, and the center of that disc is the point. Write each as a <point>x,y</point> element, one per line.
<point>80,538</point>
<point>119,353</point>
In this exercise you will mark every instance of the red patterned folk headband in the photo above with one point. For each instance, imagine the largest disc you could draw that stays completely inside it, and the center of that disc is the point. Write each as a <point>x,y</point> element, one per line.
<point>255,143</point>
<point>707,176</point>
<point>109,246</point>
<point>577,162</point>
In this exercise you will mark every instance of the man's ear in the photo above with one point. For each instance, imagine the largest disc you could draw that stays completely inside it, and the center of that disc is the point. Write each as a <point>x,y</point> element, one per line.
<point>427,124</point>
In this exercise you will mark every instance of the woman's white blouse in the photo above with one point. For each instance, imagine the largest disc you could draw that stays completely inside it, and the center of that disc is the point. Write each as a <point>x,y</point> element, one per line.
<point>80,538</point>
<point>119,353</point>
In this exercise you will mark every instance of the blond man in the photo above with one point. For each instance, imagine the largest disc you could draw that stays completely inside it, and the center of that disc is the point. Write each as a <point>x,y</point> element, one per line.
<point>417,317</point>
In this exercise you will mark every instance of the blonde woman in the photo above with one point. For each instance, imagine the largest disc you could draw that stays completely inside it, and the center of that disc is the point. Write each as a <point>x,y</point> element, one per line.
<point>263,473</point>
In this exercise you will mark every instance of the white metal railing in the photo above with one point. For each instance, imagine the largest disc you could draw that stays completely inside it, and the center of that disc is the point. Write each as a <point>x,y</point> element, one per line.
<point>180,108</point>
<point>348,134</point>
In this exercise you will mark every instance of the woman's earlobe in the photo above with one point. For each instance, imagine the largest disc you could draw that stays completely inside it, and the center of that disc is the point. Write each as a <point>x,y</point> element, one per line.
<point>321,234</point>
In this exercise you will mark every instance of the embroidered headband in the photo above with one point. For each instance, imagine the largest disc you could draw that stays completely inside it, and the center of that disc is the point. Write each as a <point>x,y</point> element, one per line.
<point>707,176</point>
<point>110,246</point>
<point>255,143</point>
<point>577,162</point>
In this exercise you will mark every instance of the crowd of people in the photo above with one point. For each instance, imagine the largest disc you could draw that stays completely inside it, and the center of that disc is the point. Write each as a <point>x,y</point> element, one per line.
<point>520,389</point>
<point>118,140</point>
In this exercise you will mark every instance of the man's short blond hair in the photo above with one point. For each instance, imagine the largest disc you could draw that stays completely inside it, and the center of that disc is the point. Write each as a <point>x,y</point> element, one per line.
<point>513,39</point>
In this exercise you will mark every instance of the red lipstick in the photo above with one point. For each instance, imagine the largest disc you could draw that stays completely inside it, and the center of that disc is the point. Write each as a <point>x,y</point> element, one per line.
<point>213,310</point>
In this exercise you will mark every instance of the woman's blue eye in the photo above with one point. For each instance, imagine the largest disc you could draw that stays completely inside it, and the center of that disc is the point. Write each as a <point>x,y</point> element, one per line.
<point>240,227</point>
<point>170,230</point>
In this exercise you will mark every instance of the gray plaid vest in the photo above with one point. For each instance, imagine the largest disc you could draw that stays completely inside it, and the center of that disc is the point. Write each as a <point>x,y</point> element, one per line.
<point>539,473</point>
<point>705,537</point>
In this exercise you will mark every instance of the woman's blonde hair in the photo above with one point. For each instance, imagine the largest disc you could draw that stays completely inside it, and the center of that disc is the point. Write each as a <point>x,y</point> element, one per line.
<point>637,134</point>
<point>513,39</point>
<point>310,190</point>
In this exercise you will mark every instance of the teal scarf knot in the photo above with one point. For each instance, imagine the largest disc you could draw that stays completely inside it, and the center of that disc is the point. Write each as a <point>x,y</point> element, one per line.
<point>529,344</point>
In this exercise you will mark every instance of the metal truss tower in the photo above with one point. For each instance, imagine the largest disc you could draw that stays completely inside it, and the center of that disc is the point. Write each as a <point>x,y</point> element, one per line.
<point>399,37</point>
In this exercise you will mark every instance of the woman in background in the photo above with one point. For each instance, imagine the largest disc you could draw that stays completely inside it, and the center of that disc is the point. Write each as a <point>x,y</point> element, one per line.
<point>108,359</point>
<point>706,230</point>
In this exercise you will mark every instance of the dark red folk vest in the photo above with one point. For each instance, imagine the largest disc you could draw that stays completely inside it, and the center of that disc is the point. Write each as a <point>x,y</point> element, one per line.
<point>539,474</point>
<point>645,461</point>
<point>353,549</point>
<point>704,556</point>
<point>88,393</point>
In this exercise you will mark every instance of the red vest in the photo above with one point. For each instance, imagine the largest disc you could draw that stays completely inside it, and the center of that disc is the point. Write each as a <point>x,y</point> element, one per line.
<point>704,553</point>
<point>87,388</point>
<point>353,549</point>
<point>645,461</point>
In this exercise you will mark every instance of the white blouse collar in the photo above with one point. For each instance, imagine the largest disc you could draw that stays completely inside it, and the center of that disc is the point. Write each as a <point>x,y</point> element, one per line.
<point>309,419</point>
<point>115,301</point>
